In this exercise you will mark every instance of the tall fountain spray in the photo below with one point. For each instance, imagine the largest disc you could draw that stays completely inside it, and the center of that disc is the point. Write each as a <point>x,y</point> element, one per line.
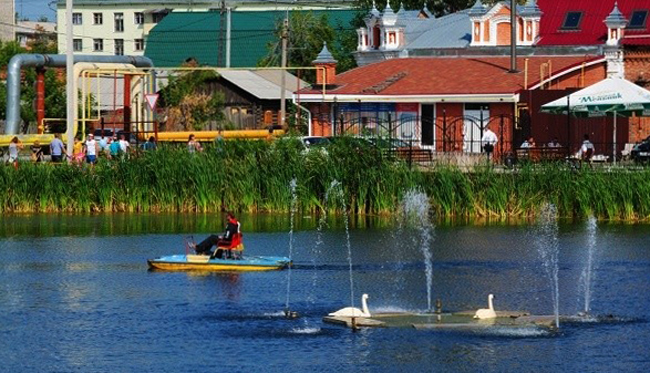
<point>294,200</point>
<point>318,244</point>
<point>548,247</point>
<point>588,274</point>
<point>415,212</point>
<point>337,188</point>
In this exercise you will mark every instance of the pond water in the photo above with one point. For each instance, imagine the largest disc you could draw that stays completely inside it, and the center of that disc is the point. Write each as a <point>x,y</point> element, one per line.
<point>76,295</point>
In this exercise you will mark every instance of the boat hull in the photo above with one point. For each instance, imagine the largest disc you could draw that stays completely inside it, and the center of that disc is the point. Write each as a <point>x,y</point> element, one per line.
<point>183,263</point>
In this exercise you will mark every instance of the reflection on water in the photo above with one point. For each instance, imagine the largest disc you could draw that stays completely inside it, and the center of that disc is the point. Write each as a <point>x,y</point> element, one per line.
<point>76,295</point>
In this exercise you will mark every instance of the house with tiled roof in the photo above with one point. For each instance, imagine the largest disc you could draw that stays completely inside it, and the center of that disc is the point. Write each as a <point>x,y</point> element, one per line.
<point>444,103</point>
<point>444,81</point>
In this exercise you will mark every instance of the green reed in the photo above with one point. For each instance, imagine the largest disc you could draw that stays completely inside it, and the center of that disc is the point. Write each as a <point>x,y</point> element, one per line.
<point>254,176</point>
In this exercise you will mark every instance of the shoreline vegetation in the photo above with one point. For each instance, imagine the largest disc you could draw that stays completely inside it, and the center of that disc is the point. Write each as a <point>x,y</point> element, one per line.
<point>254,176</point>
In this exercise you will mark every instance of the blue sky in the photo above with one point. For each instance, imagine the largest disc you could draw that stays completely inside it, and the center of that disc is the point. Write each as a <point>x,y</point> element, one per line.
<point>33,9</point>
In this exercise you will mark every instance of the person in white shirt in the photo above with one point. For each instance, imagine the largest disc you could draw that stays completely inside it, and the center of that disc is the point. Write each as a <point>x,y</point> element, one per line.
<point>489,140</point>
<point>124,145</point>
<point>90,149</point>
<point>586,150</point>
<point>554,143</point>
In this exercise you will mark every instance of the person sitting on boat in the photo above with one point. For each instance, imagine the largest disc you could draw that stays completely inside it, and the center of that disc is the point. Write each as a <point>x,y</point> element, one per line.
<point>233,228</point>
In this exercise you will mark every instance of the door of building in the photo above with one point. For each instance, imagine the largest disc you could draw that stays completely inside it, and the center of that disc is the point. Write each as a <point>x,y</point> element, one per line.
<point>427,119</point>
<point>476,118</point>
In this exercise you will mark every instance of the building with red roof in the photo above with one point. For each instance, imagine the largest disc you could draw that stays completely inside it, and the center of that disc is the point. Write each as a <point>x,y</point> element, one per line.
<point>444,81</point>
<point>581,22</point>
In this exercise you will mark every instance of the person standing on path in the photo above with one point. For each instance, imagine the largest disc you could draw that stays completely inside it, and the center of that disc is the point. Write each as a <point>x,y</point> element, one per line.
<point>14,148</point>
<point>489,140</point>
<point>90,149</point>
<point>57,149</point>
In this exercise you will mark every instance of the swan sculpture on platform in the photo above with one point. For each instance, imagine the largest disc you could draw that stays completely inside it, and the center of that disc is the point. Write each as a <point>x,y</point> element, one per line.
<point>353,311</point>
<point>486,313</point>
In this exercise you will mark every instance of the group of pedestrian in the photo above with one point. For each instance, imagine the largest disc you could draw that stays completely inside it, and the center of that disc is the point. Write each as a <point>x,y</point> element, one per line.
<point>89,150</point>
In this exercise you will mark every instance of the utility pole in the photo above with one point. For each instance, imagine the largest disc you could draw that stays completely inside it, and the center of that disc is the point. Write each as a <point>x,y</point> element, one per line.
<point>222,36</point>
<point>69,79</point>
<point>228,14</point>
<point>283,104</point>
<point>513,36</point>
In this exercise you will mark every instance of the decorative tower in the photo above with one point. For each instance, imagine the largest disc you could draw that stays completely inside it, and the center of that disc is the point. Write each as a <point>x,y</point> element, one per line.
<point>392,33</point>
<point>369,36</point>
<point>326,67</point>
<point>616,23</point>
<point>476,14</point>
<point>530,17</point>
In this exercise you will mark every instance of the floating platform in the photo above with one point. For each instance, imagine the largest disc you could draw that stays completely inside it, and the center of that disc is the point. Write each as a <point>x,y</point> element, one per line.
<point>456,321</point>
<point>349,322</point>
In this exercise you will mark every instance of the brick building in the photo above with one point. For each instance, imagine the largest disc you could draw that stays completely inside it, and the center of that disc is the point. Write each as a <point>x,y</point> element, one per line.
<point>450,75</point>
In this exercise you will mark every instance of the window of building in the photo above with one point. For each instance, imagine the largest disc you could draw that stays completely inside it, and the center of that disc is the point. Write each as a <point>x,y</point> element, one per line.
<point>119,22</point>
<point>572,21</point>
<point>98,18</point>
<point>98,45</point>
<point>638,19</point>
<point>138,18</point>
<point>77,45</point>
<point>157,17</point>
<point>139,44</point>
<point>119,47</point>
<point>77,19</point>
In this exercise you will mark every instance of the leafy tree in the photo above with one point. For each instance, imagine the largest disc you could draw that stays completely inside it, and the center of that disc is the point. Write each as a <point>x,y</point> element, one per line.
<point>55,93</point>
<point>307,32</point>
<point>187,102</point>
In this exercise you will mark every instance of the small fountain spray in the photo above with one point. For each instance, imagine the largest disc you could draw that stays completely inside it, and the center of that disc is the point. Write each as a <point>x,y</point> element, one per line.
<point>588,275</point>
<point>294,199</point>
<point>548,247</point>
<point>415,211</point>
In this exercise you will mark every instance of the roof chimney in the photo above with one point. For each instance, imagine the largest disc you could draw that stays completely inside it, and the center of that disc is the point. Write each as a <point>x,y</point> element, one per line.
<point>326,67</point>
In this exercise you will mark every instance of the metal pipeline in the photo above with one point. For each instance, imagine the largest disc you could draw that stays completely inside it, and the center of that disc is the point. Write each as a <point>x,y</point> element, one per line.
<point>50,60</point>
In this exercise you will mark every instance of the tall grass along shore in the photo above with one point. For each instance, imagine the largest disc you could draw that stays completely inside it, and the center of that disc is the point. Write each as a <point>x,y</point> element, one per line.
<point>255,176</point>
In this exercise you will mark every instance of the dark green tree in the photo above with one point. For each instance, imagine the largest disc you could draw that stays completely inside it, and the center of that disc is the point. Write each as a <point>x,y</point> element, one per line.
<point>307,32</point>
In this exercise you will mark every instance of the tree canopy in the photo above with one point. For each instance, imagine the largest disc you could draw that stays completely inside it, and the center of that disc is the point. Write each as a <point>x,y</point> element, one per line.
<point>55,95</point>
<point>306,35</point>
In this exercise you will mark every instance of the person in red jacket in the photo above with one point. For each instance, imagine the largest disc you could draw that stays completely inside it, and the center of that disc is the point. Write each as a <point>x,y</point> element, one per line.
<point>233,228</point>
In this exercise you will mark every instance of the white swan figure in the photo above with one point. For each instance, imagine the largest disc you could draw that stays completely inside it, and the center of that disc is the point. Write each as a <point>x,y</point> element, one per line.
<point>353,311</point>
<point>486,313</point>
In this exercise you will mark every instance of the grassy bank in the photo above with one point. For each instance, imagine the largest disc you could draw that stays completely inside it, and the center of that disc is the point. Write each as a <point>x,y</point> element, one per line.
<point>255,176</point>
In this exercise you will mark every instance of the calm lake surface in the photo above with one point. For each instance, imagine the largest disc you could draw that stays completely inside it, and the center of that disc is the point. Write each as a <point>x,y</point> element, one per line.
<point>76,295</point>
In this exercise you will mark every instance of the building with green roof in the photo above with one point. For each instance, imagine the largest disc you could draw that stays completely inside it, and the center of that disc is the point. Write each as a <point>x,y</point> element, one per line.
<point>121,27</point>
<point>201,36</point>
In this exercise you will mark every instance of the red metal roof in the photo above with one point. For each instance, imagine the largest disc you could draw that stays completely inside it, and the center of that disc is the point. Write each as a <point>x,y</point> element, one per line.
<point>446,75</point>
<point>636,39</point>
<point>592,29</point>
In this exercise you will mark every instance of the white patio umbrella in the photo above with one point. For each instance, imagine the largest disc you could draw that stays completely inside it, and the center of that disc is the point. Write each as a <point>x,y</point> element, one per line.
<point>612,96</point>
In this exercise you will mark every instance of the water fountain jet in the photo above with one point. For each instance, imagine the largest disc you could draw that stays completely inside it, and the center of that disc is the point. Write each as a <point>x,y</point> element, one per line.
<point>548,247</point>
<point>294,199</point>
<point>415,212</point>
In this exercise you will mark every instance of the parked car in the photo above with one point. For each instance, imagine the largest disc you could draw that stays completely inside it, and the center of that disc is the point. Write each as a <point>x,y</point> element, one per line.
<point>641,152</point>
<point>310,141</point>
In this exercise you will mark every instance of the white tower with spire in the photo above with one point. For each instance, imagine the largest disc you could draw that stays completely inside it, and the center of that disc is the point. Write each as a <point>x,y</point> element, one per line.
<point>616,23</point>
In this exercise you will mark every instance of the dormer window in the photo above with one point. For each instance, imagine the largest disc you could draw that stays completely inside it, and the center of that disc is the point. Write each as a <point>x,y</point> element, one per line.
<point>638,19</point>
<point>572,21</point>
